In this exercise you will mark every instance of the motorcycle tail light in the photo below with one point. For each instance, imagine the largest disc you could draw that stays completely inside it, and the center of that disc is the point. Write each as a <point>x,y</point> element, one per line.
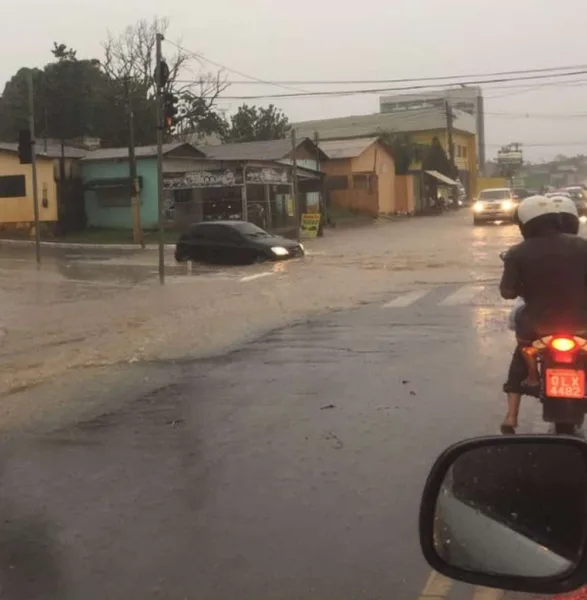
<point>563,344</point>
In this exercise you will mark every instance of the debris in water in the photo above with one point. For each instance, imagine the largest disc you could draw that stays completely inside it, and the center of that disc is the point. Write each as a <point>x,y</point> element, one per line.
<point>328,406</point>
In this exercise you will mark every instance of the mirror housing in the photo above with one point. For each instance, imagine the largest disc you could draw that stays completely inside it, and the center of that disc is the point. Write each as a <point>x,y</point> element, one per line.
<point>478,527</point>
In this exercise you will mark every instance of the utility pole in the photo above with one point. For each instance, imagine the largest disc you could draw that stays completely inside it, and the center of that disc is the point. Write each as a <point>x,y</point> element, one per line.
<point>34,169</point>
<point>294,182</point>
<point>159,85</point>
<point>451,146</point>
<point>321,204</point>
<point>137,232</point>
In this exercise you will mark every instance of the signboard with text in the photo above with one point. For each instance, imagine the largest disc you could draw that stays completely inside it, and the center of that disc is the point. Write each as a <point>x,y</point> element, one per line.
<point>310,225</point>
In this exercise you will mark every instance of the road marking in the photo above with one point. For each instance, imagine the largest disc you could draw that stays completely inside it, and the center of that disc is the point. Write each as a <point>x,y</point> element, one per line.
<point>482,593</point>
<point>406,299</point>
<point>462,295</point>
<point>255,276</point>
<point>437,586</point>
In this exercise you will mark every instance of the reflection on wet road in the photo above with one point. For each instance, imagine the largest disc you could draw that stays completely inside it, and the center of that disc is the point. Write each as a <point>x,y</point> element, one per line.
<point>289,467</point>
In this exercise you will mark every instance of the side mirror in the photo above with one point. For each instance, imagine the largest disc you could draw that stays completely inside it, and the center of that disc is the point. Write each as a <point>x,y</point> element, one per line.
<point>502,254</point>
<point>509,513</point>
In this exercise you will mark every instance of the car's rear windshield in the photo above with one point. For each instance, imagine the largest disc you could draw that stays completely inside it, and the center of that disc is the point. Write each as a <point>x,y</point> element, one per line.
<point>494,194</point>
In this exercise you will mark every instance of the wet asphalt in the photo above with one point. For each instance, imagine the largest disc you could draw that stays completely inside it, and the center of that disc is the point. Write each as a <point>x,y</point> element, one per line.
<point>289,468</point>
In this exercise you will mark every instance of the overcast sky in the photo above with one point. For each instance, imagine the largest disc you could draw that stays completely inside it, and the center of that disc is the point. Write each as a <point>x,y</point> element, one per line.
<point>373,39</point>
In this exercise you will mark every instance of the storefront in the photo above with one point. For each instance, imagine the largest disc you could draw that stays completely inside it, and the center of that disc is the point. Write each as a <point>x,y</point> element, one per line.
<point>260,192</point>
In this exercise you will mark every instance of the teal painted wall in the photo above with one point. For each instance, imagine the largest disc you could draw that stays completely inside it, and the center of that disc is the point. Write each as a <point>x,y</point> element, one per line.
<point>121,218</point>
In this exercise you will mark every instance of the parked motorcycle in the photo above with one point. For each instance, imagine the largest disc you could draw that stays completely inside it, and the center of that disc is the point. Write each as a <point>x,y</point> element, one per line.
<point>562,367</point>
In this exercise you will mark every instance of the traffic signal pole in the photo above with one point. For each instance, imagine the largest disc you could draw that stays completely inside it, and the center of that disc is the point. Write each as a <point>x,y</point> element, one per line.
<point>158,86</point>
<point>34,168</point>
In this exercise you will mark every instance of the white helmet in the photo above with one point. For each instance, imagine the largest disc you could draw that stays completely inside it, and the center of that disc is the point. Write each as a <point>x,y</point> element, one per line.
<point>535,206</point>
<point>564,204</point>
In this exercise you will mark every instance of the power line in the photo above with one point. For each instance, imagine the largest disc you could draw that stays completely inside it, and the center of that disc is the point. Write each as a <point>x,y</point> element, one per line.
<point>335,93</point>
<point>414,79</point>
<point>201,57</point>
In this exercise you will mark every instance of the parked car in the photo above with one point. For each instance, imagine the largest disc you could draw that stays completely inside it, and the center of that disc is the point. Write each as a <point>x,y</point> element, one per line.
<point>495,204</point>
<point>233,242</point>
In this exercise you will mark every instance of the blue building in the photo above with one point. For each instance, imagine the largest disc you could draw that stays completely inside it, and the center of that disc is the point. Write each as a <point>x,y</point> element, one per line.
<point>107,185</point>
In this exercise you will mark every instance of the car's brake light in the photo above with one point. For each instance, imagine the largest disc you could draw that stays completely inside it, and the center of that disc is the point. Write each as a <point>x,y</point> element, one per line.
<point>563,344</point>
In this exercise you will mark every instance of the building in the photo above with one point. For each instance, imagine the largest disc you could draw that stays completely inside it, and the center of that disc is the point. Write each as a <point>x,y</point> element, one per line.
<point>16,187</point>
<point>424,128</point>
<point>251,181</point>
<point>465,99</point>
<point>360,176</point>
<point>107,183</point>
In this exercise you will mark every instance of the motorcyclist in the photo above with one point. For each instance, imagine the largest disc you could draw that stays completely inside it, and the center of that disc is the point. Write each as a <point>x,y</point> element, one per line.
<point>548,270</point>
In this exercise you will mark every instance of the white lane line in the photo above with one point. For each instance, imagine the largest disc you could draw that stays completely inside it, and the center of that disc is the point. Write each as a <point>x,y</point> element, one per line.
<point>406,299</point>
<point>462,295</point>
<point>438,586</point>
<point>483,593</point>
<point>256,276</point>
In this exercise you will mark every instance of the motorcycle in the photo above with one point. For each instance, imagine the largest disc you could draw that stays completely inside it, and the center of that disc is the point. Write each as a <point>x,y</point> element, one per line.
<point>562,366</point>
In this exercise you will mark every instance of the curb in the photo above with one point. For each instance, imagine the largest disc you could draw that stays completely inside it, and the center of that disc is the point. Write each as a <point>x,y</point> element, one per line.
<point>81,246</point>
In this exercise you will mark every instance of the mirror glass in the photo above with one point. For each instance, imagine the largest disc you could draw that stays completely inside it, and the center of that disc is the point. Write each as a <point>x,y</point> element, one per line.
<point>513,509</point>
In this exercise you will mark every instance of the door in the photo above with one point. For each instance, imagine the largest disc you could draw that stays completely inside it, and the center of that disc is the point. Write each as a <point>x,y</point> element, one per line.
<point>222,244</point>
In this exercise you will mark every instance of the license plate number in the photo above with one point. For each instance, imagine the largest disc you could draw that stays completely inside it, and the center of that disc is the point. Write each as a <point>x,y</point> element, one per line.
<point>565,383</point>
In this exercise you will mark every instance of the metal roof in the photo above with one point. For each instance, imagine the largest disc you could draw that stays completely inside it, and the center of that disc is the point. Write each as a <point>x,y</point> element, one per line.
<point>140,151</point>
<point>346,148</point>
<point>263,150</point>
<point>53,150</point>
<point>372,125</point>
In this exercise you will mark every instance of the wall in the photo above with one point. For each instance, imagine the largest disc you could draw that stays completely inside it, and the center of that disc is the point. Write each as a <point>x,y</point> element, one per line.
<point>121,217</point>
<point>21,210</point>
<point>484,183</point>
<point>355,200</point>
<point>404,194</point>
<point>377,159</point>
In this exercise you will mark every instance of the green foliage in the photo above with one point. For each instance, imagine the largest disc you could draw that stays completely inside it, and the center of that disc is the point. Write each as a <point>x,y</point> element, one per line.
<point>253,123</point>
<point>80,97</point>
<point>405,151</point>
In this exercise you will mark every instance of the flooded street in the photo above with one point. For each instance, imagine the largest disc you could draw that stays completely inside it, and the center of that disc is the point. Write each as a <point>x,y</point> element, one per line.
<point>257,432</point>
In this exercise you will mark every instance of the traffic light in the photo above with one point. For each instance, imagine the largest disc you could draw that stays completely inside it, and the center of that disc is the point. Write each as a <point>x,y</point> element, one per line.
<point>169,110</point>
<point>25,147</point>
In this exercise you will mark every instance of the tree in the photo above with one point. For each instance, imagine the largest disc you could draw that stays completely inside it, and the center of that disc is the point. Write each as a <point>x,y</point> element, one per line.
<point>405,151</point>
<point>68,96</point>
<point>253,123</point>
<point>131,56</point>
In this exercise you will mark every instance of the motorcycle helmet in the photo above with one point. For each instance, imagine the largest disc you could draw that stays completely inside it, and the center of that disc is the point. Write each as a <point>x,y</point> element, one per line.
<point>537,216</point>
<point>568,214</point>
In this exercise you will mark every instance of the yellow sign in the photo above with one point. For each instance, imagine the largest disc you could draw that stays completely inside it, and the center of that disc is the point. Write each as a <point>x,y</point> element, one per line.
<point>290,207</point>
<point>310,224</point>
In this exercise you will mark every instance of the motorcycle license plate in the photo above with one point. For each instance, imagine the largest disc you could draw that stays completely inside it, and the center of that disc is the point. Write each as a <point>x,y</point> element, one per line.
<point>565,383</point>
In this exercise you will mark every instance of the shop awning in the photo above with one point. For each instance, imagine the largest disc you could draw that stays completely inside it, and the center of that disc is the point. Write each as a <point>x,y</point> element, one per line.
<point>442,178</point>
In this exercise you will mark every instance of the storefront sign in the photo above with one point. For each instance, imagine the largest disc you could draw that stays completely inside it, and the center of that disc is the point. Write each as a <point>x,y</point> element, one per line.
<point>310,225</point>
<point>267,175</point>
<point>204,179</point>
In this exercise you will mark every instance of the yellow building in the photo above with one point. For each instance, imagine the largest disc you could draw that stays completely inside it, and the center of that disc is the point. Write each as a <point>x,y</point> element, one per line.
<point>16,184</point>
<point>422,125</point>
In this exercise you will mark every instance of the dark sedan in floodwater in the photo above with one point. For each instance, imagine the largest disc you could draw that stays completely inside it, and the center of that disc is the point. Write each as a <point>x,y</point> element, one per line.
<point>233,242</point>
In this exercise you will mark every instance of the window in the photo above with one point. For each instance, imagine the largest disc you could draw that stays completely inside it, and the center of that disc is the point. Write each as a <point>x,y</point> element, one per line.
<point>464,151</point>
<point>337,182</point>
<point>12,186</point>
<point>361,182</point>
<point>458,151</point>
<point>114,197</point>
